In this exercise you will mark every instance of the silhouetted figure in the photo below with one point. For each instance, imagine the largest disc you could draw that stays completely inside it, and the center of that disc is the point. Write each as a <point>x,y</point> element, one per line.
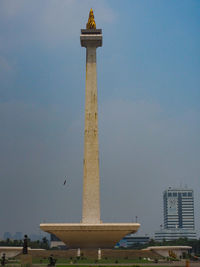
<point>52,261</point>
<point>3,259</point>
<point>25,245</point>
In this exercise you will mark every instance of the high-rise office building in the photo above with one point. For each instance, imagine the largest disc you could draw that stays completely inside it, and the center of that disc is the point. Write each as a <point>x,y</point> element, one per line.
<point>178,214</point>
<point>178,208</point>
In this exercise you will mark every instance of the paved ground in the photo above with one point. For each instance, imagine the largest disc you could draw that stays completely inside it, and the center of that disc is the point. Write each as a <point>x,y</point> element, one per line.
<point>172,264</point>
<point>178,264</point>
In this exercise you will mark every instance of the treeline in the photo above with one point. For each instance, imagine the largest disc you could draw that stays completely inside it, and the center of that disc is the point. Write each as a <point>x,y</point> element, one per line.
<point>44,243</point>
<point>195,244</point>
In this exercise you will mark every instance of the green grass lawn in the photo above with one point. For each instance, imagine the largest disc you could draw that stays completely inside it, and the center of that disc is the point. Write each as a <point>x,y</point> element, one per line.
<point>134,265</point>
<point>63,262</point>
<point>89,261</point>
<point>89,265</point>
<point>97,265</point>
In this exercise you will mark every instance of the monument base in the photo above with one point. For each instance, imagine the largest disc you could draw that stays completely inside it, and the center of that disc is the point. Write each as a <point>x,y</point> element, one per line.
<point>79,235</point>
<point>26,260</point>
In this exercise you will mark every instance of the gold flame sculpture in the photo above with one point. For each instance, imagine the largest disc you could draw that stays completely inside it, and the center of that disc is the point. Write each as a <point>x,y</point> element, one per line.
<point>172,254</point>
<point>91,24</point>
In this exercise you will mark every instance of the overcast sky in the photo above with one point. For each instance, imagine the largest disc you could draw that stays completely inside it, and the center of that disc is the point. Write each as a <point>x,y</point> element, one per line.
<point>149,111</point>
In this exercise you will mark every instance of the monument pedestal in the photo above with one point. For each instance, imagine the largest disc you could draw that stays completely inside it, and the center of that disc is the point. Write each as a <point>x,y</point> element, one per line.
<point>26,260</point>
<point>80,235</point>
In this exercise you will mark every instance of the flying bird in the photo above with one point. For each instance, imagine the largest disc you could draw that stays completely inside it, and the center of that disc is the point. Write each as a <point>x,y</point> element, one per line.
<point>65,180</point>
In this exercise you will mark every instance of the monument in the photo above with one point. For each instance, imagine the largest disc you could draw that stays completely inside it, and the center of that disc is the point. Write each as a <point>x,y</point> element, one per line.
<point>91,232</point>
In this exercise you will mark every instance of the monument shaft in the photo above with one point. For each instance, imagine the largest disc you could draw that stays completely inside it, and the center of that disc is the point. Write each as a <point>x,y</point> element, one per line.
<point>91,194</point>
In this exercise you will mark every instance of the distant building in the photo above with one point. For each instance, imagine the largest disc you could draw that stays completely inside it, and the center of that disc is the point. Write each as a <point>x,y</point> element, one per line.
<point>7,235</point>
<point>178,209</point>
<point>55,242</point>
<point>178,215</point>
<point>18,236</point>
<point>35,237</point>
<point>131,240</point>
<point>173,234</point>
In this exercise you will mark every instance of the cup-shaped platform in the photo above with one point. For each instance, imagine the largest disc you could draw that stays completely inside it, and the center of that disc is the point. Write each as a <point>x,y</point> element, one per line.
<point>79,235</point>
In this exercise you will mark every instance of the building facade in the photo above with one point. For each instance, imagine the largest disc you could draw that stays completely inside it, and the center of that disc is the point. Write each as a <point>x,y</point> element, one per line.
<point>178,207</point>
<point>55,242</point>
<point>131,240</point>
<point>173,234</point>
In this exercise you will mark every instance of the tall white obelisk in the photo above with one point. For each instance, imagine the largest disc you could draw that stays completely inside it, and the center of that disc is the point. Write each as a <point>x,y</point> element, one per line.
<point>91,232</point>
<point>91,38</point>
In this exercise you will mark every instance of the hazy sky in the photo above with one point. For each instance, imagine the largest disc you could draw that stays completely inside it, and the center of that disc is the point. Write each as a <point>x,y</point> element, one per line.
<point>149,111</point>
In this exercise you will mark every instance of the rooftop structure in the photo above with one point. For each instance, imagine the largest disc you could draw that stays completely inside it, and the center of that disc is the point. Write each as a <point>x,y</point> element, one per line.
<point>170,251</point>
